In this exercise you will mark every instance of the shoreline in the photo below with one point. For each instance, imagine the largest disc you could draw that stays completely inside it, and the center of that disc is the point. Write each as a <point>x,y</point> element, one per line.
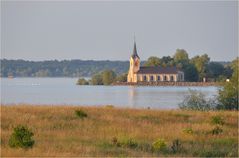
<point>175,84</point>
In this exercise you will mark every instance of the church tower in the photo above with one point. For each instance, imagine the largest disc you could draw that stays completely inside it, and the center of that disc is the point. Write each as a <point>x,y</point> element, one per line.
<point>134,66</point>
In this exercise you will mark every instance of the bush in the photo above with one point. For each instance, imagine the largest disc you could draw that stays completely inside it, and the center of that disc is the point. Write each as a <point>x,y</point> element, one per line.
<point>82,81</point>
<point>159,145</point>
<point>97,80</point>
<point>197,101</point>
<point>106,77</point>
<point>176,145</point>
<point>81,114</point>
<point>130,143</point>
<point>216,130</point>
<point>228,95</point>
<point>21,137</point>
<point>217,120</point>
<point>127,142</point>
<point>122,78</point>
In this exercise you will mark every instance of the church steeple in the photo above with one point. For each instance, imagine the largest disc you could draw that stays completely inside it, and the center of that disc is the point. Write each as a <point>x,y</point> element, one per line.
<point>134,65</point>
<point>134,55</point>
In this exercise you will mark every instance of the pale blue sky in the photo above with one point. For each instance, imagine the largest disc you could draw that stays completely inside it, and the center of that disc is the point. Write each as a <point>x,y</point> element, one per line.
<point>104,30</point>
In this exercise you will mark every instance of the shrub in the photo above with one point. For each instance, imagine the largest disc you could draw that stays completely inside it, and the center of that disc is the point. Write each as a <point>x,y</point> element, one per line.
<point>197,101</point>
<point>97,79</point>
<point>216,130</point>
<point>82,81</point>
<point>21,137</point>
<point>122,78</point>
<point>81,114</point>
<point>217,120</point>
<point>188,130</point>
<point>106,77</point>
<point>127,142</point>
<point>176,145</point>
<point>159,145</point>
<point>228,95</point>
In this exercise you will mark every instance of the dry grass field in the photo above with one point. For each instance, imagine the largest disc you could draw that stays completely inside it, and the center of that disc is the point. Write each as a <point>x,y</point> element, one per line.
<point>108,131</point>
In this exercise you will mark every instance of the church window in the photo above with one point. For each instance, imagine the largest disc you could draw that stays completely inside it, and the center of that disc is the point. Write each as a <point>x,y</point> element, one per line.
<point>158,78</point>
<point>171,78</point>
<point>165,78</point>
<point>151,78</point>
<point>144,78</point>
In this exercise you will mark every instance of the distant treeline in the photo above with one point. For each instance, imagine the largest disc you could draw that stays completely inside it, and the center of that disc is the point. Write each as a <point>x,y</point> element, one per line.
<point>55,68</point>
<point>195,69</point>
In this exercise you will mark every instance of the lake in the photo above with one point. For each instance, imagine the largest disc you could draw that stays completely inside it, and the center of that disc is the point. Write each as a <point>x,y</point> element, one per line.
<point>64,91</point>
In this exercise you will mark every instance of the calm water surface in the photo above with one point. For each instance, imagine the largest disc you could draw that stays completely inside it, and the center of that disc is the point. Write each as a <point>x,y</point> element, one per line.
<point>64,91</point>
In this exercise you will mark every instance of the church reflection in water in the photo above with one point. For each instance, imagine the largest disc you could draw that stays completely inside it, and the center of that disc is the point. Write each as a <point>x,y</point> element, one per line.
<point>132,96</point>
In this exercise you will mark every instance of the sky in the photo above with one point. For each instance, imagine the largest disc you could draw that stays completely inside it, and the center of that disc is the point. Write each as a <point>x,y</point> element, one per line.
<point>93,30</point>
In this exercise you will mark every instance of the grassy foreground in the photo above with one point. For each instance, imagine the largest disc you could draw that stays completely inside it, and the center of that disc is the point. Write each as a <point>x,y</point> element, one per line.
<point>108,131</point>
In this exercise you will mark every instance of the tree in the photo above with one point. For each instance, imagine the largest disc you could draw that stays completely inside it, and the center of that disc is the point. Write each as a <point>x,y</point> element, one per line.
<point>122,78</point>
<point>166,61</point>
<point>227,71</point>
<point>190,72</point>
<point>228,95</point>
<point>108,77</point>
<point>152,61</point>
<point>97,79</point>
<point>201,63</point>
<point>215,70</point>
<point>181,56</point>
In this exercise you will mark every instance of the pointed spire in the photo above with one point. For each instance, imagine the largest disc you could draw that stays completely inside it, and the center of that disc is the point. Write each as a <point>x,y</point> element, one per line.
<point>134,55</point>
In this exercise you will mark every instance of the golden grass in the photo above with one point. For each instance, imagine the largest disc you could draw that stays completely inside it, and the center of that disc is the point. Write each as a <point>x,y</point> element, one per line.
<point>59,132</point>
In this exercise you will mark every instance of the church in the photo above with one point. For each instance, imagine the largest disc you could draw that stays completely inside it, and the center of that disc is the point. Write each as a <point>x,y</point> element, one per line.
<point>139,73</point>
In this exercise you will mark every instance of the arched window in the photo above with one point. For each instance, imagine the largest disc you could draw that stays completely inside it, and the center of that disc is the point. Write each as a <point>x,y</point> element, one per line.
<point>151,78</point>
<point>171,78</point>
<point>158,78</point>
<point>165,78</point>
<point>144,78</point>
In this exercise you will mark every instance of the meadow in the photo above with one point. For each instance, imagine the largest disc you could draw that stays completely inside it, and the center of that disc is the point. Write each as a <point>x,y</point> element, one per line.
<point>121,132</point>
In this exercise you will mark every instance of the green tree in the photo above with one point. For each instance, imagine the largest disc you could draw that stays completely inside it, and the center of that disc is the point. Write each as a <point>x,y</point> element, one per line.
<point>215,70</point>
<point>166,61</point>
<point>182,62</point>
<point>152,61</point>
<point>97,79</point>
<point>190,72</point>
<point>181,56</point>
<point>228,95</point>
<point>201,63</point>
<point>108,77</point>
<point>122,77</point>
<point>227,71</point>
